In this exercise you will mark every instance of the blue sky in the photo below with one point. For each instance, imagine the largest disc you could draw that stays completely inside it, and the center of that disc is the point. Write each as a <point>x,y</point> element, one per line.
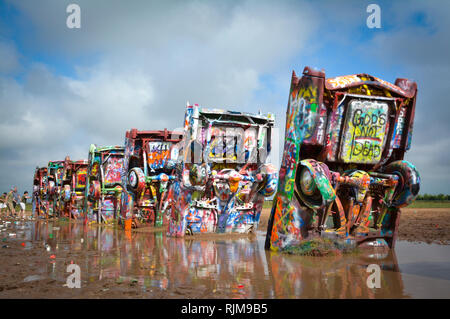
<point>135,64</point>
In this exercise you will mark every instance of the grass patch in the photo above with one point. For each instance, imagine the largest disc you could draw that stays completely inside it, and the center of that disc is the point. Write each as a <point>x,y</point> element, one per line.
<point>320,247</point>
<point>430,204</point>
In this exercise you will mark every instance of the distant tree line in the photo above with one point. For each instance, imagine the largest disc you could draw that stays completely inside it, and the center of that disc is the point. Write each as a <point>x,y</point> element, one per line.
<point>433,197</point>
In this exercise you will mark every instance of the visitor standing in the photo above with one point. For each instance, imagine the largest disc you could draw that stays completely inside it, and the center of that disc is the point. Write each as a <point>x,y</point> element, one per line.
<point>10,203</point>
<point>2,202</point>
<point>23,203</point>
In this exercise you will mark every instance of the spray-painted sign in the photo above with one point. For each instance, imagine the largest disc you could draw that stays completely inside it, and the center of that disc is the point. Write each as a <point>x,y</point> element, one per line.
<point>364,131</point>
<point>158,154</point>
<point>113,169</point>
<point>81,177</point>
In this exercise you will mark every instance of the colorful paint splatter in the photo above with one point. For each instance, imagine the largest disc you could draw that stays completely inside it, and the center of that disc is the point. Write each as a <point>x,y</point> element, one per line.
<point>223,179</point>
<point>343,160</point>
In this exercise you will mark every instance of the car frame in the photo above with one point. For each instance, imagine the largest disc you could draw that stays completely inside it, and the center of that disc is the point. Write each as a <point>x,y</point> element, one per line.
<point>55,171</point>
<point>104,184</point>
<point>39,199</point>
<point>73,186</point>
<point>343,173</point>
<point>222,174</point>
<point>149,163</point>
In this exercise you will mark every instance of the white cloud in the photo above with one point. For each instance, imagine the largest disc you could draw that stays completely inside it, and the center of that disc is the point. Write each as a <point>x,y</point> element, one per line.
<point>137,63</point>
<point>150,59</point>
<point>421,51</point>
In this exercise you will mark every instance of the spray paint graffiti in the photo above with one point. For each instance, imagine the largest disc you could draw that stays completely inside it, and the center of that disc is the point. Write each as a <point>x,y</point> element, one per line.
<point>104,191</point>
<point>350,182</point>
<point>149,162</point>
<point>73,185</point>
<point>364,132</point>
<point>55,171</point>
<point>81,178</point>
<point>113,170</point>
<point>158,154</point>
<point>222,178</point>
<point>39,199</point>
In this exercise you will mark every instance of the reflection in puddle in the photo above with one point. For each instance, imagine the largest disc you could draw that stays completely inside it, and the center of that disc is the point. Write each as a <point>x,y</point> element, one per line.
<point>237,268</point>
<point>33,278</point>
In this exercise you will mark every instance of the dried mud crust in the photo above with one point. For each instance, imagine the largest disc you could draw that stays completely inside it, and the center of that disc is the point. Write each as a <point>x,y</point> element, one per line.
<point>429,225</point>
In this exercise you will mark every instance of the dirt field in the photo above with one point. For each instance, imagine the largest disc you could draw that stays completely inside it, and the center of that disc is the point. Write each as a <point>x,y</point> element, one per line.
<point>430,225</point>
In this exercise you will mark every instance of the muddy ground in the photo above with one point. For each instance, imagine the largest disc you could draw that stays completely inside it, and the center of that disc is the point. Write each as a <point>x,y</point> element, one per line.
<point>148,265</point>
<point>429,225</point>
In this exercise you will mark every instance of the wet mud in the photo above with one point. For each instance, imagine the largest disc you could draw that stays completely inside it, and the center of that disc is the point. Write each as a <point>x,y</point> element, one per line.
<point>146,264</point>
<point>429,225</point>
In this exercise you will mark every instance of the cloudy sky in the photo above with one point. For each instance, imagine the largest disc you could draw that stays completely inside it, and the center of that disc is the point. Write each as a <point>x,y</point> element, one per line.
<point>136,63</point>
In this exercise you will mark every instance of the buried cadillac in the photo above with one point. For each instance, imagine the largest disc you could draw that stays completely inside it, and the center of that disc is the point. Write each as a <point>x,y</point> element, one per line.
<point>343,174</point>
<point>73,185</point>
<point>55,172</point>
<point>39,200</point>
<point>104,184</point>
<point>149,164</point>
<point>222,172</point>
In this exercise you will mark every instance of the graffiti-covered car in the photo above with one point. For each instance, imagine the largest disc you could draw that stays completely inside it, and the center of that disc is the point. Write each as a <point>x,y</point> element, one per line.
<point>223,174</point>
<point>104,190</point>
<point>343,174</point>
<point>55,171</point>
<point>73,186</point>
<point>39,200</point>
<point>149,163</point>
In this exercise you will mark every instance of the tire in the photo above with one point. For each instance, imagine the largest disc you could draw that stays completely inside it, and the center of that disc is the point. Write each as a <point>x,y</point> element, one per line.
<point>313,184</point>
<point>136,179</point>
<point>270,180</point>
<point>408,185</point>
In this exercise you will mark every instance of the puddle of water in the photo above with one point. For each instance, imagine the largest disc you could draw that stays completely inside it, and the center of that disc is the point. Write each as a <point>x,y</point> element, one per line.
<point>235,268</point>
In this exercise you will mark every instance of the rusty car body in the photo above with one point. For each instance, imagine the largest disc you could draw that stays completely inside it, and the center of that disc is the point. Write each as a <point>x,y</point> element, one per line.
<point>149,163</point>
<point>73,185</point>
<point>55,172</point>
<point>104,183</point>
<point>343,173</point>
<point>39,199</point>
<point>222,175</point>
